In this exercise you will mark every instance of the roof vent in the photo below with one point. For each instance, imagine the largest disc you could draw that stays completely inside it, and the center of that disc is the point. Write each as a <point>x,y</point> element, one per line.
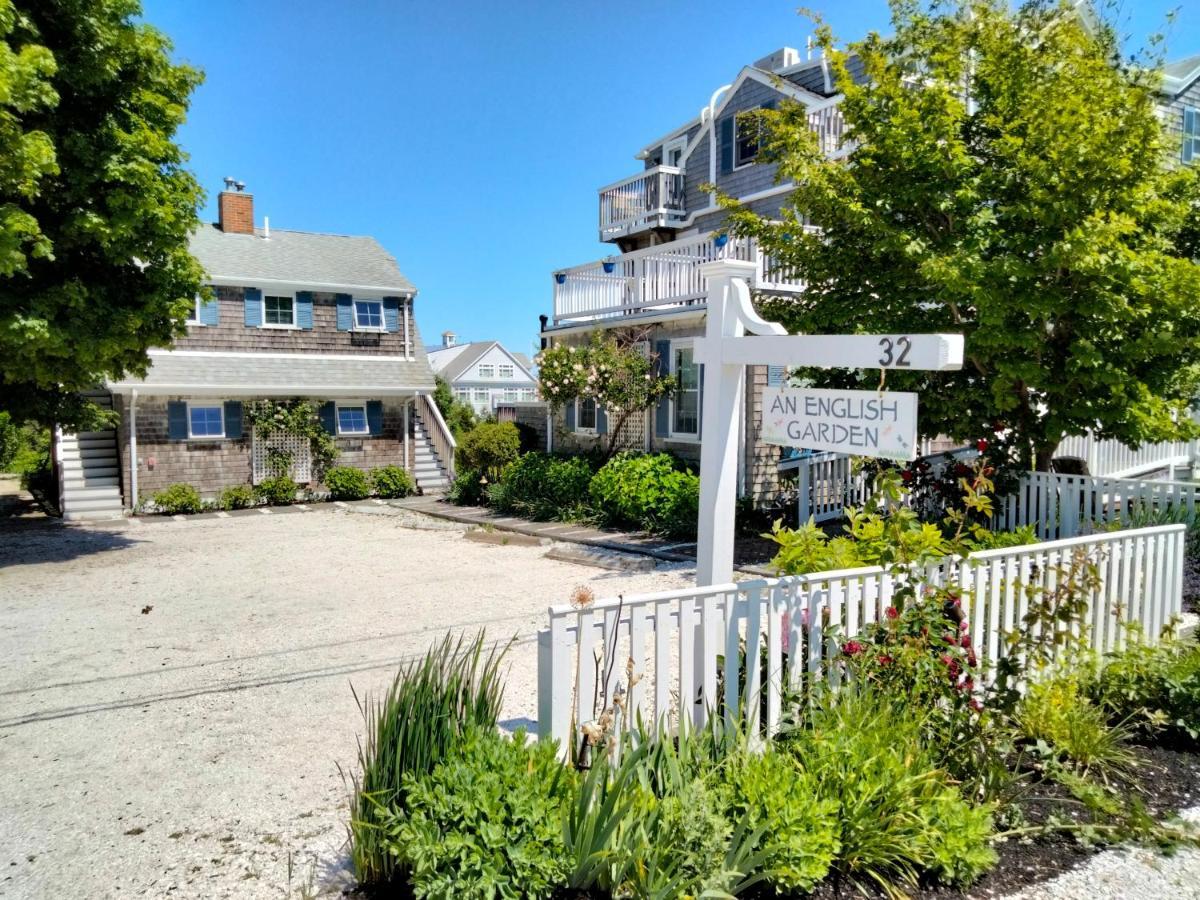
<point>780,59</point>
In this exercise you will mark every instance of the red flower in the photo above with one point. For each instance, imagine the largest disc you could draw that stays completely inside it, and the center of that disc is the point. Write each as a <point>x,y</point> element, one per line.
<point>891,612</point>
<point>951,639</point>
<point>906,476</point>
<point>976,705</point>
<point>965,642</point>
<point>963,625</point>
<point>981,445</point>
<point>972,660</point>
<point>852,648</point>
<point>960,469</point>
<point>884,659</point>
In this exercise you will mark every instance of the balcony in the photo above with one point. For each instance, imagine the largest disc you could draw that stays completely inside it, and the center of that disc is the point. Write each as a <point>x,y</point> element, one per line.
<point>650,199</point>
<point>660,279</point>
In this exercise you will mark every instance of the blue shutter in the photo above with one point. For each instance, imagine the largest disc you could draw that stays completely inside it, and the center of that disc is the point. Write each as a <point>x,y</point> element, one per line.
<point>391,313</point>
<point>571,416</point>
<point>233,419</point>
<point>210,312</point>
<point>727,145</point>
<point>254,314</point>
<point>177,429</point>
<point>775,376</point>
<point>328,416</point>
<point>662,412</point>
<point>304,303</point>
<point>601,420</point>
<point>375,417</point>
<point>345,312</point>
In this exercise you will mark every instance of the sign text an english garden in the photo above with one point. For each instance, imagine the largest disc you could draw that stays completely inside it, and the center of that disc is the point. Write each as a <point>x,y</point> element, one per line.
<point>861,423</point>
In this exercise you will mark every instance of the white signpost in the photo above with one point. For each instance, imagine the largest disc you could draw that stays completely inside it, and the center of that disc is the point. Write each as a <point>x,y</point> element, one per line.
<point>735,336</point>
<point>861,423</point>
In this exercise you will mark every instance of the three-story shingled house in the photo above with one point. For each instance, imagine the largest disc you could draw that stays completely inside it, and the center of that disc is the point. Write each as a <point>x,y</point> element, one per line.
<point>294,314</point>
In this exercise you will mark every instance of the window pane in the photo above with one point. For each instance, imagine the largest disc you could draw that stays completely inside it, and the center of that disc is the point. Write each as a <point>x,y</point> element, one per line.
<point>486,372</point>
<point>277,310</point>
<point>506,371</point>
<point>587,414</point>
<point>194,312</point>
<point>352,420</point>
<point>687,400</point>
<point>206,421</point>
<point>368,313</point>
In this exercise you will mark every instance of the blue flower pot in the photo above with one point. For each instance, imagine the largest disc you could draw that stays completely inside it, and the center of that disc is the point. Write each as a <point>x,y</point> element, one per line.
<point>721,240</point>
<point>560,277</point>
<point>608,267</point>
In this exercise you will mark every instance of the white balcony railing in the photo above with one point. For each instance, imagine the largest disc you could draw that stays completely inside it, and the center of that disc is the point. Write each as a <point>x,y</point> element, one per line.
<point>657,279</point>
<point>649,199</point>
<point>830,126</point>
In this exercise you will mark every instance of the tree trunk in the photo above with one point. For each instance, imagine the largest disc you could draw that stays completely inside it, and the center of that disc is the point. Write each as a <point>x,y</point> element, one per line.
<point>613,431</point>
<point>1043,454</point>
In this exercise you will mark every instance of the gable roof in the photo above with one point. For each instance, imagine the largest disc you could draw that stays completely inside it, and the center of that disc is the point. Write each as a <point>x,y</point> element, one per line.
<point>459,364</point>
<point>332,262</point>
<point>1179,75</point>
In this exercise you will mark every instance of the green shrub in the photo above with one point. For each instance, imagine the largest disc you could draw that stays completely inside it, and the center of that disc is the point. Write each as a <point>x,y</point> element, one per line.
<point>1155,689</point>
<point>277,491</point>
<point>899,817</point>
<point>488,448</point>
<point>10,441</point>
<point>431,706</point>
<point>346,483</point>
<point>391,482</point>
<point>240,496</point>
<point>178,498</point>
<point>544,487</point>
<point>468,488</point>
<point>486,822</point>
<point>647,491</point>
<point>797,818</point>
<point>1058,713</point>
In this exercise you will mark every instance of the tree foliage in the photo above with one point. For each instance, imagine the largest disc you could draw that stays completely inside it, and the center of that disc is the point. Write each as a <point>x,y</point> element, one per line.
<point>96,207</point>
<point>611,370</point>
<point>1008,179</point>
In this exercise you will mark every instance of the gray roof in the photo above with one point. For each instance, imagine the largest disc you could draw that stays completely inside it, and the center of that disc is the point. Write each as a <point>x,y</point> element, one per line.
<point>1183,67</point>
<point>457,366</point>
<point>323,261</point>
<point>198,373</point>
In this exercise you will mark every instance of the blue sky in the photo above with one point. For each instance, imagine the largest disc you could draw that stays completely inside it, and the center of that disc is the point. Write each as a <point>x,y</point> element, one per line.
<point>470,137</point>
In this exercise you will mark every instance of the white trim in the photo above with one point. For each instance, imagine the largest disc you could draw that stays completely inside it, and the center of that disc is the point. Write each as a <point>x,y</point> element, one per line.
<point>368,329</point>
<point>337,419</point>
<point>279,295</point>
<point>234,354</point>
<point>676,143</point>
<point>196,322</point>
<point>672,434</point>
<point>326,287</point>
<point>208,404</point>
<point>329,392</point>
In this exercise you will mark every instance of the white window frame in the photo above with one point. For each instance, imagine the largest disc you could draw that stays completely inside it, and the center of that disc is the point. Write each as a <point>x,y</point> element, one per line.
<point>511,395</point>
<point>487,370</point>
<point>337,418</point>
<point>281,295</point>
<point>737,166</point>
<point>193,319</point>
<point>579,428</point>
<point>500,371</point>
<point>1190,155</point>
<point>219,405</point>
<point>674,369</point>
<point>381,327</point>
<point>680,144</point>
<point>482,395</point>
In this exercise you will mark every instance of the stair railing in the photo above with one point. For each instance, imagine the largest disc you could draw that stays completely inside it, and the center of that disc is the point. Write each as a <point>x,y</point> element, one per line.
<point>439,435</point>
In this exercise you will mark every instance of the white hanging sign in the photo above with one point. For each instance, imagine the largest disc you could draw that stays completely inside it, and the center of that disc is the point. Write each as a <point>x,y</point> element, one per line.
<point>860,423</point>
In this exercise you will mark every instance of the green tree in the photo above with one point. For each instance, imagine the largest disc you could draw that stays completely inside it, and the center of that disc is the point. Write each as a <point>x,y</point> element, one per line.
<point>1007,179</point>
<point>460,417</point>
<point>96,207</point>
<point>613,371</point>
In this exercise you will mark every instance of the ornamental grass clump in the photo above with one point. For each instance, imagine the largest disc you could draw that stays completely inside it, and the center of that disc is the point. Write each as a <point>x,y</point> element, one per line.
<point>432,704</point>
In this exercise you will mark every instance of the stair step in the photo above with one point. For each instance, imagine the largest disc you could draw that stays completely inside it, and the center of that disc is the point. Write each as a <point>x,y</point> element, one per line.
<point>90,453</point>
<point>89,480</point>
<point>91,506</point>
<point>90,493</point>
<point>107,434</point>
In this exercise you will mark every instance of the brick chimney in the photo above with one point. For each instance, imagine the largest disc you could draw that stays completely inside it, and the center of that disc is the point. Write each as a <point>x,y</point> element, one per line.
<point>235,208</point>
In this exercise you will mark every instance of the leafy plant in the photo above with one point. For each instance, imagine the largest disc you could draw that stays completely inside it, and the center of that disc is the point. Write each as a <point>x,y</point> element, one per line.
<point>468,488</point>
<point>391,482</point>
<point>177,499</point>
<point>1155,689</point>
<point>545,487</point>
<point>489,448</point>
<point>486,822</point>
<point>239,496</point>
<point>346,483</point>
<point>1057,713</point>
<point>277,491</point>
<point>648,491</point>
<point>298,417</point>
<point>431,706</point>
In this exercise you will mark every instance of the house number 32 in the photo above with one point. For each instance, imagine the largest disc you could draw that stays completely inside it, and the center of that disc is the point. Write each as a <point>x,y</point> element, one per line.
<point>890,348</point>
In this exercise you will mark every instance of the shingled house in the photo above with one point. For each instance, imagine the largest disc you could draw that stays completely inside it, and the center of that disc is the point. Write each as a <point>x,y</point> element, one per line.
<point>294,314</point>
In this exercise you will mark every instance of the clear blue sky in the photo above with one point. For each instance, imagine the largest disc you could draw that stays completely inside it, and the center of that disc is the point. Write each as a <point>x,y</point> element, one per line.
<point>470,137</point>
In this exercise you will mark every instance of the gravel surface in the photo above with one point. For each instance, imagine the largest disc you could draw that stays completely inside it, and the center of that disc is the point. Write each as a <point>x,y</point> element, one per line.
<point>175,695</point>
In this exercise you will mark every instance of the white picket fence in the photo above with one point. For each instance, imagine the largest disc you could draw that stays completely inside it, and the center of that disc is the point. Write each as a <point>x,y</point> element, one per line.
<point>1063,506</point>
<point>1113,459</point>
<point>678,646</point>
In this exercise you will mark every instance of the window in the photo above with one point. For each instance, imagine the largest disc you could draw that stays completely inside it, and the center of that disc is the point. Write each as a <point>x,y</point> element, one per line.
<point>279,311</point>
<point>481,393</point>
<point>527,394</point>
<point>685,407</point>
<point>194,313</point>
<point>368,315</point>
<point>585,415</point>
<point>462,393</point>
<point>487,371</point>
<point>206,420</point>
<point>352,418</point>
<point>505,371</point>
<point>673,151</point>
<point>510,395</point>
<point>747,139</point>
<point>1191,135</point>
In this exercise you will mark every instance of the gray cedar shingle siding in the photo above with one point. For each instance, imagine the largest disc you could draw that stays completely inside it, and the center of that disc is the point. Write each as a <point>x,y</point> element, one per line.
<point>1190,97</point>
<point>759,176</point>
<point>696,175</point>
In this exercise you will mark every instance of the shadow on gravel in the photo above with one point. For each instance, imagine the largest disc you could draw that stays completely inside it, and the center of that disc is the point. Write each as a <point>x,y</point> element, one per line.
<point>26,542</point>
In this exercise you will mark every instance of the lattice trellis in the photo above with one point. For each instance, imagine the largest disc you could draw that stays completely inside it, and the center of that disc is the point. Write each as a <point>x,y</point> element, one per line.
<point>634,431</point>
<point>298,445</point>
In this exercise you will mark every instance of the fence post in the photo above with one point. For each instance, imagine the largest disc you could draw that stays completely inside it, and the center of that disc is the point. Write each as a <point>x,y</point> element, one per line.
<point>555,682</point>
<point>804,490</point>
<point>1093,461</point>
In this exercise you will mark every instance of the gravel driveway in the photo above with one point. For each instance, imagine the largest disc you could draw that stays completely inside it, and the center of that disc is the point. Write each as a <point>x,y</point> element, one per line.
<point>175,696</point>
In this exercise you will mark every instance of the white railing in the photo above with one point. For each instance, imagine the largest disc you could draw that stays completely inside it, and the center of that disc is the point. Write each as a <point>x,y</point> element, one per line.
<point>1062,506</point>
<point>830,127</point>
<point>1116,460</point>
<point>651,199</point>
<point>667,654</point>
<point>440,434</point>
<point>655,279</point>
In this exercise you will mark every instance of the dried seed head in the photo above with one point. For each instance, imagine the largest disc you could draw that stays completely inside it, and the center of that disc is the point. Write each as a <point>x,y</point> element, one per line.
<point>582,596</point>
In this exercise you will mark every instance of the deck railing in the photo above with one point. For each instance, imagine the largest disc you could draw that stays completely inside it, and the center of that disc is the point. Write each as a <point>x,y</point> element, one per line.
<point>830,126</point>
<point>439,433</point>
<point>650,199</point>
<point>657,279</point>
<point>1116,460</point>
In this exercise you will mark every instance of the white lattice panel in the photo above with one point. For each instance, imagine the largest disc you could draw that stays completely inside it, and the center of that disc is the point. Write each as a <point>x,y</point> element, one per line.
<point>299,446</point>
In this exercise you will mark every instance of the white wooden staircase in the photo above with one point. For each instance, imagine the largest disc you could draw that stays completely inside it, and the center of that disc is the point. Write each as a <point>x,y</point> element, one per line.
<point>90,471</point>
<point>429,470</point>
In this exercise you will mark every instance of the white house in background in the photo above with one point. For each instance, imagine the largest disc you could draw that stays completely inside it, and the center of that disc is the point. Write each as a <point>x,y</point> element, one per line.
<point>482,373</point>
